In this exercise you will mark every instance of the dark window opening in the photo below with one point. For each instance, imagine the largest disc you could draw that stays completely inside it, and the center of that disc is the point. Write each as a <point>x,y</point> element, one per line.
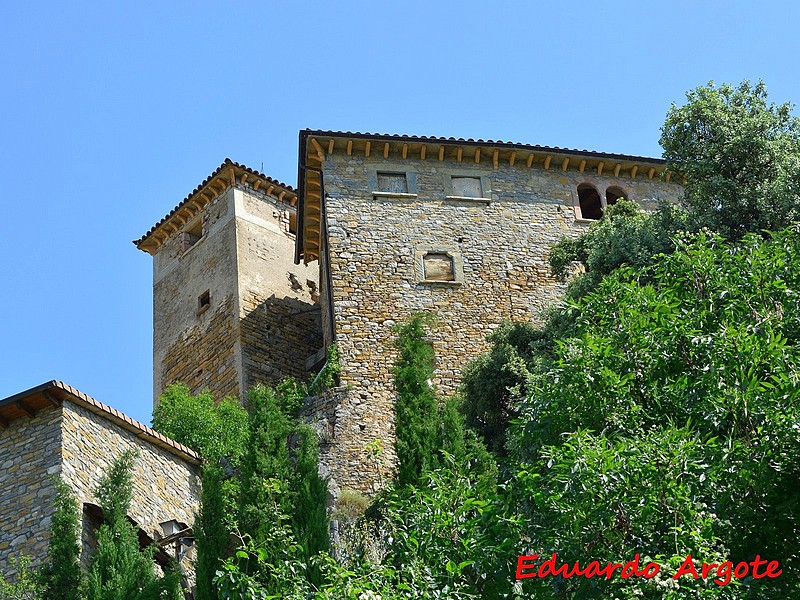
<point>191,235</point>
<point>589,198</point>
<point>613,194</point>
<point>203,302</point>
<point>438,267</point>
<point>394,183</point>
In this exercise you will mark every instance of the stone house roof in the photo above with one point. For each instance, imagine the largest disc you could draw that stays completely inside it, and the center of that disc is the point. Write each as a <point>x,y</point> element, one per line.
<point>26,404</point>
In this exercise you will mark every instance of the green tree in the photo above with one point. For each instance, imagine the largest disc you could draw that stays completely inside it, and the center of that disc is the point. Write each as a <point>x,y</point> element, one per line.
<point>416,407</point>
<point>118,569</point>
<point>666,424</point>
<point>26,585</point>
<point>61,575</point>
<point>215,430</point>
<point>740,155</point>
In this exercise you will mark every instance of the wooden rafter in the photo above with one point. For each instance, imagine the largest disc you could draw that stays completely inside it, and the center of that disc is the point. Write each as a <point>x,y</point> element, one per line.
<point>51,399</point>
<point>651,172</point>
<point>26,409</point>
<point>617,167</point>
<point>386,150</point>
<point>512,157</point>
<point>547,160</point>
<point>565,164</point>
<point>459,154</point>
<point>233,177</point>
<point>281,195</point>
<point>634,170</point>
<point>243,178</point>
<point>367,148</point>
<point>318,148</point>
<point>496,159</point>
<point>668,176</point>
<point>582,166</point>
<point>477,156</point>
<point>269,190</point>
<point>600,167</point>
<point>530,159</point>
<point>441,152</point>
<point>404,152</point>
<point>349,147</point>
<point>422,151</point>
<point>257,185</point>
<point>330,146</point>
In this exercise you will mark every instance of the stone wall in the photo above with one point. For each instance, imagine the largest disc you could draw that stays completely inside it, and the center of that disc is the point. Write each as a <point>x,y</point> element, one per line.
<point>279,314</point>
<point>194,344</point>
<point>499,247</point>
<point>165,486</point>
<point>30,456</point>
<point>205,355</point>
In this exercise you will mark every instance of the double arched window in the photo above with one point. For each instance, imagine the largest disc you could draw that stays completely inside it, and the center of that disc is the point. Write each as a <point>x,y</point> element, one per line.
<point>592,203</point>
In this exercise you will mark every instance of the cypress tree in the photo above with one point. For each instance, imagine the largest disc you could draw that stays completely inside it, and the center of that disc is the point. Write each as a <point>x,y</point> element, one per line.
<point>416,428</point>
<point>211,532</point>
<point>61,575</point>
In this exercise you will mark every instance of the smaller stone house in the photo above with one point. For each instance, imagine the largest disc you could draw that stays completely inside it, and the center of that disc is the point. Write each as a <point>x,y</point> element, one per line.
<point>55,430</point>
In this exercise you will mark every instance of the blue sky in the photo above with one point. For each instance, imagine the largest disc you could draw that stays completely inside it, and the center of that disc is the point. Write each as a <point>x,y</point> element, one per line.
<point>113,112</point>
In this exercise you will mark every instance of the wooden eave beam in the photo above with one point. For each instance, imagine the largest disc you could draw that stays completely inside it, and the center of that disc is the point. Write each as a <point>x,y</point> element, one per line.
<point>232,173</point>
<point>330,146</point>
<point>547,160</point>
<point>423,151</point>
<point>512,157</point>
<point>651,172</point>
<point>318,148</point>
<point>386,150</point>
<point>600,167</point>
<point>441,152</point>
<point>459,153</point>
<point>565,164</point>
<point>496,159</point>
<point>617,167</point>
<point>257,185</point>
<point>367,148</point>
<point>51,399</point>
<point>530,159</point>
<point>404,152</point>
<point>477,156</point>
<point>349,147</point>
<point>243,178</point>
<point>281,196</point>
<point>26,409</point>
<point>668,176</point>
<point>582,166</point>
<point>197,205</point>
<point>634,170</point>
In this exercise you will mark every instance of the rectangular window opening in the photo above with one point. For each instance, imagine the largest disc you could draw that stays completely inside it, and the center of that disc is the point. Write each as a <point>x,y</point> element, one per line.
<point>203,302</point>
<point>393,183</point>
<point>192,234</point>
<point>438,267</point>
<point>467,187</point>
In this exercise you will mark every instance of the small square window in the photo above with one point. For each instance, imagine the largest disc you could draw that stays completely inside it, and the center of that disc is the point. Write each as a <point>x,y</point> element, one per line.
<point>192,234</point>
<point>395,183</point>
<point>203,302</point>
<point>438,266</point>
<point>467,187</point>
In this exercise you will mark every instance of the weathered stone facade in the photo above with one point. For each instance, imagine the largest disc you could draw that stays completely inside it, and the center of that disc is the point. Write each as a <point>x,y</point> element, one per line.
<point>230,307</point>
<point>30,456</point>
<point>496,237</point>
<point>76,438</point>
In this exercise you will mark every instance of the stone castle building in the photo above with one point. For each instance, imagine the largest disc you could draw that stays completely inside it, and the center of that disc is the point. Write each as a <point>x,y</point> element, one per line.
<point>253,280</point>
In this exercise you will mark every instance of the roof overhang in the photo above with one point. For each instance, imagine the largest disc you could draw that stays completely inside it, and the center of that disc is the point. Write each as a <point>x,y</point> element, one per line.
<point>27,404</point>
<point>315,145</point>
<point>228,174</point>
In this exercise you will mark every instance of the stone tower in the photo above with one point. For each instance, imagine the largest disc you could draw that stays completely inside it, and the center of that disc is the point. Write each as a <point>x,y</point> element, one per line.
<point>230,307</point>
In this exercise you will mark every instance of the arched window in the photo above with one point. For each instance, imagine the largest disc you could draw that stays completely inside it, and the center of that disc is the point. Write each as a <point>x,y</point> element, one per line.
<point>613,194</point>
<point>589,198</point>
